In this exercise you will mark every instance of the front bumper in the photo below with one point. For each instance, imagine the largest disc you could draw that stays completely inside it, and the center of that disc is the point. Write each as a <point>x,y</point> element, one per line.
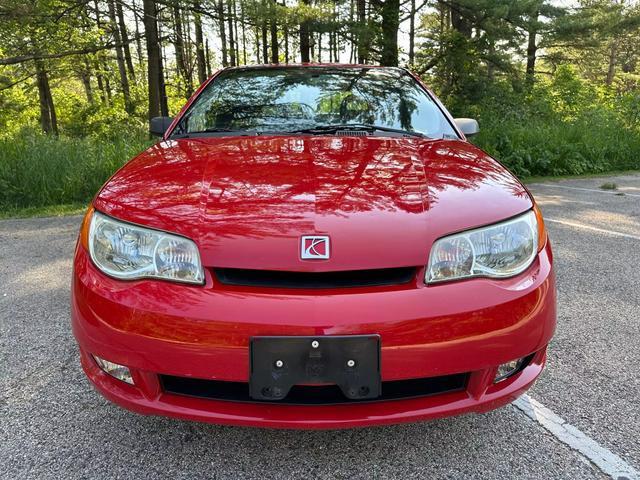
<point>156,327</point>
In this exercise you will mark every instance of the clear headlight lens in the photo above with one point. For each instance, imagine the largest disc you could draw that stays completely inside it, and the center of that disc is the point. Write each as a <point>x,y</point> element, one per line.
<point>127,251</point>
<point>501,250</point>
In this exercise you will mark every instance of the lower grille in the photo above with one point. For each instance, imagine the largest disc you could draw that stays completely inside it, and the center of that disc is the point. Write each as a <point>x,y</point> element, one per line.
<point>343,279</point>
<point>312,395</point>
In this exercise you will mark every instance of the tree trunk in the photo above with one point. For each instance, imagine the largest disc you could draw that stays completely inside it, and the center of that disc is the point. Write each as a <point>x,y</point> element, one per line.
<point>178,44</point>
<point>138,37</point>
<point>265,45</point>
<point>611,70</point>
<point>273,26</point>
<point>532,48</point>
<point>305,43</point>
<point>312,47</point>
<point>154,70</point>
<point>223,34</point>
<point>85,76</point>
<point>86,84</point>
<point>235,32</point>
<point>124,81</point>
<point>208,56</point>
<point>103,94</point>
<point>103,82</point>
<point>187,23</point>
<point>163,77</point>
<point>390,26</point>
<point>178,40</point>
<point>458,21</point>
<point>48,119</point>
<point>244,35</point>
<point>286,43</point>
<point>363,31</point>
<point>412,32</point>
<point>232,42</point>
<point>200,58</point>
<point>330,47</point>
<point>52,108</point>
<point>256,36</point>
<point>125,40</point>
<point>107,82</point>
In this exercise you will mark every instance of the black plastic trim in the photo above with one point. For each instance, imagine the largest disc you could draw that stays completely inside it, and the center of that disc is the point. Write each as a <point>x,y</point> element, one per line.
<point>312,394</point>
<point>341,279</point>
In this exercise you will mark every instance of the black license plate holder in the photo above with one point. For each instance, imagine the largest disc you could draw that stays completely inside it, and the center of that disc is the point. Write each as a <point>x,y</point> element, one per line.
<point>352,362</point>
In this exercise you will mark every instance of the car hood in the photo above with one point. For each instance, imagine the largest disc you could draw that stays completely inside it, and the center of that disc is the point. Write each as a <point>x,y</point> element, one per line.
<point>246,201</point>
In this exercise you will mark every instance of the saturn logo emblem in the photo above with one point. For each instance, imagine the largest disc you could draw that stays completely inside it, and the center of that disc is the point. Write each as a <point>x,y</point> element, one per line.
<point>314,247</point>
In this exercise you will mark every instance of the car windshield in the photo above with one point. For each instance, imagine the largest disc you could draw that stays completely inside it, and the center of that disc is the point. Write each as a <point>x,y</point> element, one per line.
<point>291,99</point>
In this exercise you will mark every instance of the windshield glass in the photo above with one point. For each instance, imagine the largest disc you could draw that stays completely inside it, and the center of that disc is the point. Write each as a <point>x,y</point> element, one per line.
<point>287,99</point>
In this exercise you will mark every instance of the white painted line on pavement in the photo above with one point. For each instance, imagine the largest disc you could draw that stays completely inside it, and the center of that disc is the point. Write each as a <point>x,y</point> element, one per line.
<point>593,229</point>
<point>610,192</point>
<point>607,461</point>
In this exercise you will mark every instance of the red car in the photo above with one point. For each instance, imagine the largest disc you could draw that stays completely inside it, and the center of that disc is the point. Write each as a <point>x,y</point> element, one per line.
<point>313,246</point>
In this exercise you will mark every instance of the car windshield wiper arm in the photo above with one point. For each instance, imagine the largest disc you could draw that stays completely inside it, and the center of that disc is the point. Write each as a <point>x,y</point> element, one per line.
<point>214,130</point>
<point>356,126</point>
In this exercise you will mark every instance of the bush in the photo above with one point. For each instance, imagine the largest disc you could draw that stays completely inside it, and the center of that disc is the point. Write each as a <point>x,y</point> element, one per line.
<point>562,127</point>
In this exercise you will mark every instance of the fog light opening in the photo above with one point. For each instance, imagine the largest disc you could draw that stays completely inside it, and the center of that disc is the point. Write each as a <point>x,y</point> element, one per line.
<point>508,369</point>
<point>120,372</point>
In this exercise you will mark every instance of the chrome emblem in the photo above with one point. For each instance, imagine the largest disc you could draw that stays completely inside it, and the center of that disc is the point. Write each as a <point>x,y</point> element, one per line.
<point>314,247</point>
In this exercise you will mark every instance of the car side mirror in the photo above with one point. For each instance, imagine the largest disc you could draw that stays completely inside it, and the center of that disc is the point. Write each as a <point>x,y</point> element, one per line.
<point>468,126</point>
<point>159,125</point>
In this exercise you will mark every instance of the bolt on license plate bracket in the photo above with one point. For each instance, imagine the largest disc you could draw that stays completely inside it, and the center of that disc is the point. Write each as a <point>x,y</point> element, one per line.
<point>352,362</point>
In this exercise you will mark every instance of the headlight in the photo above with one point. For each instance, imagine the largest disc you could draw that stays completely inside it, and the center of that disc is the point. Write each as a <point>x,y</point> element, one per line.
<point>128,252</point>
<point>501,250</point>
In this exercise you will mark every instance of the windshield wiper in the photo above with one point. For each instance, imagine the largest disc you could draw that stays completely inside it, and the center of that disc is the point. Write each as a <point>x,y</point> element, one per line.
<point>356,126</point>
<point>214,130</point>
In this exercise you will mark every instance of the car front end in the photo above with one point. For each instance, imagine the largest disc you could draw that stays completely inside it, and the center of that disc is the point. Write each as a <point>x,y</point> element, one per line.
<point>314,279</point>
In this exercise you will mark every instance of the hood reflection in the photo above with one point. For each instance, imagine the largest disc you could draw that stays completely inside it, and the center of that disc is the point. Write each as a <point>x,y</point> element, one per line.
<point>370,194</point>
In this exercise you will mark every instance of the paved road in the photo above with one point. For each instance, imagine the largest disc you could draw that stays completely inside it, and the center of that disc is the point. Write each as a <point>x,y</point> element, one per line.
<point>55,426</point>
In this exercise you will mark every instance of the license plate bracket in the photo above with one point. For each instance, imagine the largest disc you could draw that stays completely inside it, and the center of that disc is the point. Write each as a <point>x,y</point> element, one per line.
<point>352,362</point>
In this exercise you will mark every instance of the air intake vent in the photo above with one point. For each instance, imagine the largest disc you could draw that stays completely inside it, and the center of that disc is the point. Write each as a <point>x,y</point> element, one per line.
<point>345,279</point>
<point>352,133</point>
<point>312,395</point>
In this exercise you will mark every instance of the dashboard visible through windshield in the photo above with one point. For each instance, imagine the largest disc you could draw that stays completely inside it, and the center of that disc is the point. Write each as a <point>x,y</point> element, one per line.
<point>296,99</point>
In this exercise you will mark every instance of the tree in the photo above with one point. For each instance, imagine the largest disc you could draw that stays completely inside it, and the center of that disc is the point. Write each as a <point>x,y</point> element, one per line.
<point>48,119</point>
<point>273,26</point>
<point>305,33</point>
<point>157,95</point>
<point>390,14</point>
<point>124,81</point>
<point>602,38</point>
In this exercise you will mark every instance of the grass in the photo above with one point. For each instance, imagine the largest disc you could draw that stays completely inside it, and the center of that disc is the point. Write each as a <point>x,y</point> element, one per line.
<point>556,178</point>
<point>48,211</point>
<point>55,175</point>
<point>555,147</point>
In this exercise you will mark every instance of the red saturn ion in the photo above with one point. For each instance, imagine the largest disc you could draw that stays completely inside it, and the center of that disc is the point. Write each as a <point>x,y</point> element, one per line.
<point>313,246</point>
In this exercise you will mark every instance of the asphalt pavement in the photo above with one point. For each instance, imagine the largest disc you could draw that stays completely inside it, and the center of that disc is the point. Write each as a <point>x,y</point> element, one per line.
<point>54,425</point>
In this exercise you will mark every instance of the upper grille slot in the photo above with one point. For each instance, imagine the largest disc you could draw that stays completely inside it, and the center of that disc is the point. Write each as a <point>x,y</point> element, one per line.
<point>344,279</point>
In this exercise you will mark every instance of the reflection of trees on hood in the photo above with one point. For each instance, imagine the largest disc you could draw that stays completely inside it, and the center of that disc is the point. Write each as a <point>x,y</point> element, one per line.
<point>257,186</point>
